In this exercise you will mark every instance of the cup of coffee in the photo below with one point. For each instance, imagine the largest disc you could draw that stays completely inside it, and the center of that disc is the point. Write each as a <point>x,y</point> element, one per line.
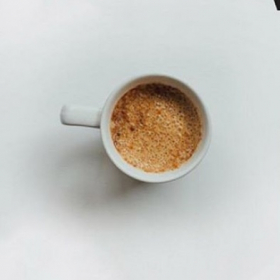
<point>154,128</point>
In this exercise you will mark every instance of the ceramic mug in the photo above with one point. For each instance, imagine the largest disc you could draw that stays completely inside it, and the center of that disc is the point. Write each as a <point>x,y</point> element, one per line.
<point>91,117</point>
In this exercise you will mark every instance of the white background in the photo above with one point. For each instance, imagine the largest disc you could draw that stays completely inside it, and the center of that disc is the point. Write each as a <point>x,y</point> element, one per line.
<point>67,213</point>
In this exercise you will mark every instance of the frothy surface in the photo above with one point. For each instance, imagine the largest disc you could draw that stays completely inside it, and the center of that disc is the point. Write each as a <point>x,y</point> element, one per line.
<point>155,127</point>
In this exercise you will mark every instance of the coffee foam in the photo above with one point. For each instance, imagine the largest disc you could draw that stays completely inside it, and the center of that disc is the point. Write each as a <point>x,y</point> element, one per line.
<point>155,127</point>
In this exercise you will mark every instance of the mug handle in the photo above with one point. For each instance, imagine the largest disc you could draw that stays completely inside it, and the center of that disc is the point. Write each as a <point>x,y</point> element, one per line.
<point>80,116</point>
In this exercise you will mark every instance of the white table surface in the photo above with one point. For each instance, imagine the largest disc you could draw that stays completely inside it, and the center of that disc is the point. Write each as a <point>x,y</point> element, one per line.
<point>67,213</point>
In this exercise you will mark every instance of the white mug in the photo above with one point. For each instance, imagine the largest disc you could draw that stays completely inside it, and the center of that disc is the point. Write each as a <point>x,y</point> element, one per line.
<point>91,117</point>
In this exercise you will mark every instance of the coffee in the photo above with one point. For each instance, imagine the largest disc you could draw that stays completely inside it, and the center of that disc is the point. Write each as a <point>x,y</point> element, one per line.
<point>155,127</point>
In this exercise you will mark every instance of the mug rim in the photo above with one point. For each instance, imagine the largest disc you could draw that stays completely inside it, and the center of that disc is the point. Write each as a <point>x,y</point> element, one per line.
<point>138,173</point>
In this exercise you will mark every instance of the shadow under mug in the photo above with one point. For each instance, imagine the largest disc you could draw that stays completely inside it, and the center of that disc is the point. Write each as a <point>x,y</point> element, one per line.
<point>91,117</point>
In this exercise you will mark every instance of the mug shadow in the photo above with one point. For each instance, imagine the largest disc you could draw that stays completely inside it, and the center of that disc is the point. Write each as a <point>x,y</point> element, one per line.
<point>81,176</point>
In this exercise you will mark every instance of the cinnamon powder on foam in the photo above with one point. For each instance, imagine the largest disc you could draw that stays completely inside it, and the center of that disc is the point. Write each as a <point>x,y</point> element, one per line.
<point>155,127</point>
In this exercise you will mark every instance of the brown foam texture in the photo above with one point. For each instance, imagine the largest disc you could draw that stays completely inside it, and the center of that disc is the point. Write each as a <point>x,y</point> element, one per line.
<point>155,127</point>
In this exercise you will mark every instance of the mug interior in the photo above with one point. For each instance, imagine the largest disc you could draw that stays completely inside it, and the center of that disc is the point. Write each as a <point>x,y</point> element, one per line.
<point>137,173</point>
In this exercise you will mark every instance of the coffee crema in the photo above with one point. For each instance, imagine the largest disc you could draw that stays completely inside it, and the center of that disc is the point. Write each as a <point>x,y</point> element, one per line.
<point>155,127</point>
